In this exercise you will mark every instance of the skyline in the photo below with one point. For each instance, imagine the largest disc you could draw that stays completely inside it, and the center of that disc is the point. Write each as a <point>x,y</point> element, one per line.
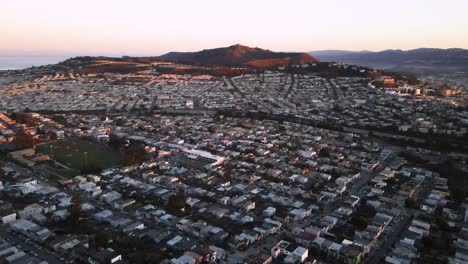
<point>145,27</point>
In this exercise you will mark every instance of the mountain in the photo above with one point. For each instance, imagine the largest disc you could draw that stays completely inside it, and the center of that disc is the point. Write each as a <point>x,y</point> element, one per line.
<point>238,55</point>
<point>327,53</point>
<point>422,61</point>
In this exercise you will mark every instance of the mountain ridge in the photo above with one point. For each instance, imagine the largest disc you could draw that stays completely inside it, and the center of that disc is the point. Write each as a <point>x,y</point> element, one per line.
<point>422,61</point>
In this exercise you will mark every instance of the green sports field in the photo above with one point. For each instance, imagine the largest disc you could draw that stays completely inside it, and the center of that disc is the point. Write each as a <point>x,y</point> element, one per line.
<point>77,154</point>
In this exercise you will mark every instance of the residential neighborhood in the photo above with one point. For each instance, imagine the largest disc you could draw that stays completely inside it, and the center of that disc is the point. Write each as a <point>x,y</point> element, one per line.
<point>273,167</point>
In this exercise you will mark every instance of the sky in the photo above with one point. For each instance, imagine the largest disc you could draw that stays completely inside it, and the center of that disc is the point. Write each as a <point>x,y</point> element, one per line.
<point>153,27</point>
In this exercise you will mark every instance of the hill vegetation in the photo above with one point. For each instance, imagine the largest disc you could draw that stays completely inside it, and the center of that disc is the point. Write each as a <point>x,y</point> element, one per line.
<point>238,55</point>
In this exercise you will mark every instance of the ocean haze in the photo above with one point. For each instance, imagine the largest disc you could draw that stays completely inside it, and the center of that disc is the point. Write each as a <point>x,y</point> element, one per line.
<point>25,61</point>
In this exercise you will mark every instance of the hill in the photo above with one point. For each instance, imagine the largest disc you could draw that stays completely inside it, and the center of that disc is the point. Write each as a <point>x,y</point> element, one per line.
<point>328,53</point>
<point>422,61</point>
<point>238,55</point>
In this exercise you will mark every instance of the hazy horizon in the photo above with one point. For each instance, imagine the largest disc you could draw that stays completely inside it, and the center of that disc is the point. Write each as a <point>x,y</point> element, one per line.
<point>145,27</point>
<point>7,54</point>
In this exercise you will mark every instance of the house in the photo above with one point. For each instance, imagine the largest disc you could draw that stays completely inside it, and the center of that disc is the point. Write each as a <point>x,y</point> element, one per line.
<point>334,249</point>
<point>30,210</point>
<point>261,258</point>
<point>381,220</point>
<point>64,244</point>
<point>185,259</point>
<point>173,241</point>
<point>245,237</point>
<point>104,256</point>
<point>122,204</point>
<point>328,222</point>
<point>291,252</point>
<point>30,229</point>
<point>157,236</point>
<point>352,201</point>
<point>299,214</point>
<point>269,211</point>
<point>134,226</point>
<point>8,218</point>
<point>351,253</point>
<point>318,242</point>
<point>110,197</point>
<point>305,239</point>
<point>103,216</point>
<point>421,224</point>
<point>7,213</point>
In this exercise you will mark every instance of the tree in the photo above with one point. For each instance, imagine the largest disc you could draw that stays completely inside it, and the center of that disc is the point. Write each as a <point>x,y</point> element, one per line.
<point>135,153</point>
<point>90,169</point>
<point>325,151</point>
<point>116,142</point>
<point>102,238</point>
<point>378,84</point>
<point>228,168</point>
<point>24,139</point>
<point>411,203</point>
<point>74,210</point>
<point>177,201</point>
<point>441,223</point>
<point>359,222</point>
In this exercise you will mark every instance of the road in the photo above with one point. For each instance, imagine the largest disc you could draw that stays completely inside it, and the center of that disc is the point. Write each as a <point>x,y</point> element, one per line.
<point>334,89</point>
<point>401,225</point>
<point>291,86</point>
<point>29,247</point>
<point>388,240</point>
<point>231,83</point>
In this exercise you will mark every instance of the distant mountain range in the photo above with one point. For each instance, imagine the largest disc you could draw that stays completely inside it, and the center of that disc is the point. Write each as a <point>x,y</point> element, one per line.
<point>238,55</point>
<point>422,61</point>
<point>328,53</point>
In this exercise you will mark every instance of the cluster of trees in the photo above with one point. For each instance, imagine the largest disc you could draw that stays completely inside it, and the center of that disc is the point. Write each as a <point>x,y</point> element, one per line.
<point>132,152</point>
<point>177,202</point>
<point>361,217</point>
<point>75,210</point>
<point>378,84</point>
<point>90,169</point>
<point>325,151</point>
<point>411,203</point>
<point>136,249</point>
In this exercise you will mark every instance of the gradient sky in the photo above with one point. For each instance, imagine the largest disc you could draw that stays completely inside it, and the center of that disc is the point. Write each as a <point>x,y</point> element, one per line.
<point>140,27</point>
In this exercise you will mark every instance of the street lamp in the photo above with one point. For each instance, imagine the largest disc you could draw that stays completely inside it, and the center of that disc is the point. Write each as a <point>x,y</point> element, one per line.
<point>52,151</point>
<point>86,158</point>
